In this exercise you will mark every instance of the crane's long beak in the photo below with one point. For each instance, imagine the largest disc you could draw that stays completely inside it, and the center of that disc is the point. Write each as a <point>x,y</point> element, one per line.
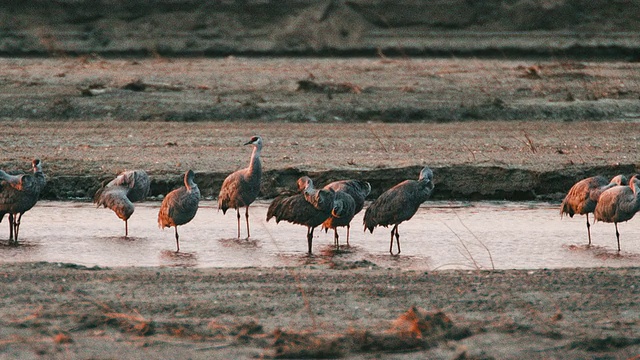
<point>334,213</point>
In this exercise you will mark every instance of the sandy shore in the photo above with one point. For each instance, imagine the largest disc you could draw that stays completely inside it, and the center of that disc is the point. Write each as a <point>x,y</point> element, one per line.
<point>351,310</point>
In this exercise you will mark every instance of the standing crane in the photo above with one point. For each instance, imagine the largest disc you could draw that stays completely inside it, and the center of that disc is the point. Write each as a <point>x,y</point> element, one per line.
<point>399,204</point>
<point>120,194</point>
<point>310,207</point>
<point>180,205</point>
<point>619,204</point>
<point>241,187</point>
<point>18,194</point>
<point>358,190</point>
<point>583,196</point>
<point>342,217</point>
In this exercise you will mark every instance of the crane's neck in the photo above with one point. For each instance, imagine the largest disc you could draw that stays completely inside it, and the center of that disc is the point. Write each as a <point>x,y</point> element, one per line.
<point>254,164</point>
<point>255,167</point>
<point>37,168</point>
<point>310,190</point>
<point>39,175</point>
<point>192,187</point>
<point>311,193</point>
<point>188,183</point>
<point>322,199</point>
<point>634,184</point>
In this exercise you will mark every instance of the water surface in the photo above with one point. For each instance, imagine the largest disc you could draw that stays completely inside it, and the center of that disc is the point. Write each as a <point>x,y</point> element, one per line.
<point>442,235</point>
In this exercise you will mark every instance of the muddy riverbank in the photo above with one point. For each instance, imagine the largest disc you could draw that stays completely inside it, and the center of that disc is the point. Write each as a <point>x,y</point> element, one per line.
<point>517,130</point>
<point>471,161</point>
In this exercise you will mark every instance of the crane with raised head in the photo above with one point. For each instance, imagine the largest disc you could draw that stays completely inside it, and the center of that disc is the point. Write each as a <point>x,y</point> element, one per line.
<point>399,204</point>
<point>241,188</point>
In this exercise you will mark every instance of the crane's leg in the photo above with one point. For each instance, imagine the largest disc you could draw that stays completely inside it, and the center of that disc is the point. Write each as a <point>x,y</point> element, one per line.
<point>588,230</point>
<point>10,228</point>
<point>238,213</point>
<point>17,226</point>
<point>310,237</point>
<point>617,236</point>
<point>177,241</point>
<point>246,216</point>
<point>348,228</point>
<point>336,238</point>
<point>398,239</point>
<point>391,244</point>
<point>126,228</point>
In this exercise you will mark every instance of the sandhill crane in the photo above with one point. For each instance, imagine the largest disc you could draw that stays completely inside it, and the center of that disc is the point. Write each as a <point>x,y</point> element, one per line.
<point>120,194</point>
<point>18,194</point>
<point>399,204</point>
<point>359,190</point>
<point>342,217</point>
<point>619,204</point>
<point>180,205</point>
<point>241,188</point>
<point>309,208</point>
<point>583,196</point>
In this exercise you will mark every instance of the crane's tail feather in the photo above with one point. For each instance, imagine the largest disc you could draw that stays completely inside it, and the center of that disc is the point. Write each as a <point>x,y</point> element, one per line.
<point>565,209</point>
<point>98,194</point>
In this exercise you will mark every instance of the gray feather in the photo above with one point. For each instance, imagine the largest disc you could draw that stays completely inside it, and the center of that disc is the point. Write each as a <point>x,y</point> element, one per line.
<point>399,203</point>
<point>19,193</point>
<point>357,189</point>
<point>120,193</point>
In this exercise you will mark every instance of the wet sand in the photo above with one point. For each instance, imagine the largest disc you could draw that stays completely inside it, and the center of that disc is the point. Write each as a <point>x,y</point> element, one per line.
<point>358,311</point>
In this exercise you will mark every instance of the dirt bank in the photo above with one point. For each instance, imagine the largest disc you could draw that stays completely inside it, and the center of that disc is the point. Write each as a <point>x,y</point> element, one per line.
<point>490,160</point>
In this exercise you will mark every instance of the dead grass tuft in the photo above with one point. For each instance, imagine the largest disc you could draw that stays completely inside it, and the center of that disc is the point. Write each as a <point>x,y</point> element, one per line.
<point>533,72</point>
<point>416,329</point>
<point>417,322</point>
<point>244,331</point>
<point>135,324</point>
<point>528,142</point>
<point>61,338</point>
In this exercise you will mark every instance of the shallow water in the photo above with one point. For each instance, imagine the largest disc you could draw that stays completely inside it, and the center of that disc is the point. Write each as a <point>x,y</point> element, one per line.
<point>442,235</point>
